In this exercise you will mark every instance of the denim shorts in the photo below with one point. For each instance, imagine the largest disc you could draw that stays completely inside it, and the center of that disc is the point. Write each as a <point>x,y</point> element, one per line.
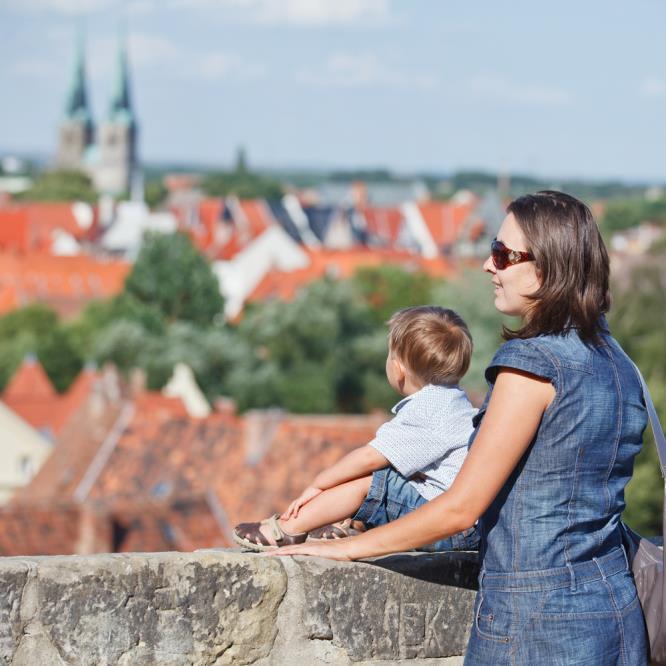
<point>587,613</point>
<point>391,496</point>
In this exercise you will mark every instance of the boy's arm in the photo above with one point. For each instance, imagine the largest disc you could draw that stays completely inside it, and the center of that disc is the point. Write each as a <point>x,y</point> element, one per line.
<point>360,462</point>
<point>357,463</point>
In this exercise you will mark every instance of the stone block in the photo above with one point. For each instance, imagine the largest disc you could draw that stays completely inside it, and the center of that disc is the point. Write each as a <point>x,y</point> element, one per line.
<point>227,607</point>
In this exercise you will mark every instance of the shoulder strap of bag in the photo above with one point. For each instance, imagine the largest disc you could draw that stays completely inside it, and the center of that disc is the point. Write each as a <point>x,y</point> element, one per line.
<point>657,430</point>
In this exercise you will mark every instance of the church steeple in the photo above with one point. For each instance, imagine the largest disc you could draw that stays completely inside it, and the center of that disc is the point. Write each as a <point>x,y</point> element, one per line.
<point>76,106</point>
<point>75,135</point>
<point>118,134</point>
<point>120,110</point>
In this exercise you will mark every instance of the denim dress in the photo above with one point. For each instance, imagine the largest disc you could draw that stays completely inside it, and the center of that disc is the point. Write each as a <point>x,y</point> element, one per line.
<point>554,585</point>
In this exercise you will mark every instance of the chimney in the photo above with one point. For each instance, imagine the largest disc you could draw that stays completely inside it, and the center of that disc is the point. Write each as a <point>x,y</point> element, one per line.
<point>259,429</point>
<point>359,194</point>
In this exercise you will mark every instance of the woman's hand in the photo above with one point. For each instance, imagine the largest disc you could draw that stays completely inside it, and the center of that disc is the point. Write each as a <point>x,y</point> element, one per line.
<point>308,494</point>
<point>333,550</point>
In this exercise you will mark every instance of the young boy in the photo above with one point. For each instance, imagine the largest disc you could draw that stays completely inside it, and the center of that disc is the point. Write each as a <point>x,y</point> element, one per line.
<point>413,458</point>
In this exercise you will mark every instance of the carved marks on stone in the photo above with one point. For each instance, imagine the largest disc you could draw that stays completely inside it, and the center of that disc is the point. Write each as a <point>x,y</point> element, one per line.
<point>374,613</point>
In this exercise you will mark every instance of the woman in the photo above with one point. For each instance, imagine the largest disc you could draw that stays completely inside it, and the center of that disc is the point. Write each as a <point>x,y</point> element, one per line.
<point>553,450</point>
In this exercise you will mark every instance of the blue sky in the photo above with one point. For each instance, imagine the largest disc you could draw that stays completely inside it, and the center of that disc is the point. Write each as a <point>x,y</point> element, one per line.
<point>556,89</point>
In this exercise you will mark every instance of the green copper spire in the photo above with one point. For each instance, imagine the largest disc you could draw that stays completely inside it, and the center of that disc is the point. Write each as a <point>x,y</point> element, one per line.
<point>121,104</point>
<point>76,107</point>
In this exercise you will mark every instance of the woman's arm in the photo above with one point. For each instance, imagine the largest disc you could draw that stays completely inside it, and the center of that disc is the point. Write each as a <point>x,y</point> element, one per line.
<point>509,425</point>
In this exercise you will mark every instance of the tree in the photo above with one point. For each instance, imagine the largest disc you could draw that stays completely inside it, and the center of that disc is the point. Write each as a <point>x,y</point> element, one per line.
<point>390,288</point>
<point>173,279</point>
<point>36,329</point>
<point>471,296</point>
<point>243,184</point>
<point>638,321</point>
<point>61,186</point>
<point>155,193</point>
<point>302,355</point>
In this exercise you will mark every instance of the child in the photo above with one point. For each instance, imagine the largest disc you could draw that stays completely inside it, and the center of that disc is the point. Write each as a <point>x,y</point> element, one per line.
<point>413,458</point>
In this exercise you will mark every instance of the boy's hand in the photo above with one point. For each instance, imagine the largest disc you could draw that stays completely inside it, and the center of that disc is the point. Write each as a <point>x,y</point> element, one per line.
<point>309,493</point>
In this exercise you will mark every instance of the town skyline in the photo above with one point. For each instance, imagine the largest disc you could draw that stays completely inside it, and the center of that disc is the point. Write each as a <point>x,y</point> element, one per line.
<point>358,84</point>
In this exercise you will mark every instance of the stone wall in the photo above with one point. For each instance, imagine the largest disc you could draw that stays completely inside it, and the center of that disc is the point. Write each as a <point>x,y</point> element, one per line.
<point>228,607</point>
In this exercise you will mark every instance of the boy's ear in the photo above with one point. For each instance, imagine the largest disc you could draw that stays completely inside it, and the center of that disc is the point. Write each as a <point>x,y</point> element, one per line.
<point>400,372</point>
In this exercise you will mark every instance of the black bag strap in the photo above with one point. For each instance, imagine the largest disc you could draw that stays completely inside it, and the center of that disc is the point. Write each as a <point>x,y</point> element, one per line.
<point>657,430</point>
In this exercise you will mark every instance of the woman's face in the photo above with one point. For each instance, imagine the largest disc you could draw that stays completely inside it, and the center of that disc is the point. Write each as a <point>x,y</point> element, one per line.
<point>515,282</point>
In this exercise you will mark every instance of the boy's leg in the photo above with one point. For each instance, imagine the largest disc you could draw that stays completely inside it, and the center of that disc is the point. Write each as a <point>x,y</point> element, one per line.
<point>330,506</point>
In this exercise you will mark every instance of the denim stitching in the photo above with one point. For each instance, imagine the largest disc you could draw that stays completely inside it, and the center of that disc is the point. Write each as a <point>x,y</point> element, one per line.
<point>574,485</point>
<point>618,433</point>
<point>618,615</point>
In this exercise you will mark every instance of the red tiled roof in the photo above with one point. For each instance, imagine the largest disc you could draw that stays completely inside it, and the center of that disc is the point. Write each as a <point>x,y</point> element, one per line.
<point>29,382</point>
<point>66,283</point>
<point>445,219</point>
<point>383,222</point>
<point>29,227</point>
<point>31,395</point>
<point>342,265</point>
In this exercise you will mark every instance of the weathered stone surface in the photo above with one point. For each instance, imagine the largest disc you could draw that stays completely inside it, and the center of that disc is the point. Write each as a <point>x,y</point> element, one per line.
<point>400,607</point>
<point>166,608</point>
<point>227,607</point>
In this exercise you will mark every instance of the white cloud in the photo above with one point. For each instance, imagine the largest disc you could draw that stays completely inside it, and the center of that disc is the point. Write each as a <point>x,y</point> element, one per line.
<point>70,7</point>
<point>653,86</point>
<point>321,12</point>
<point>504,91</point>
<point>296,12</point>
<point>357,70</point>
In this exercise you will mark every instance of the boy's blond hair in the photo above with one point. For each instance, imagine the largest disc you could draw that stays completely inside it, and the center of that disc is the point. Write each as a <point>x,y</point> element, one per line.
<point>433,342</point>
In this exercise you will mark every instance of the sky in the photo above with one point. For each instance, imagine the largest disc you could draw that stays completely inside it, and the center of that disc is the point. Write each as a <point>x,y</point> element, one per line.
<point>565,89</point>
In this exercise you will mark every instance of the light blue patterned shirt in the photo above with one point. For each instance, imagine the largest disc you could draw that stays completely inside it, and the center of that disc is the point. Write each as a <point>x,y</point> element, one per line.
<point>427,439</point>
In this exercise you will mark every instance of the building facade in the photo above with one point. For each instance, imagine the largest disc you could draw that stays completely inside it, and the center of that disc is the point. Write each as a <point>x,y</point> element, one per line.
<point>108,153</point>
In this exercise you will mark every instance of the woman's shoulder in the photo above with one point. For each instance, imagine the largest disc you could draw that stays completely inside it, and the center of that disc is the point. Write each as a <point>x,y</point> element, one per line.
<point>533,355</point>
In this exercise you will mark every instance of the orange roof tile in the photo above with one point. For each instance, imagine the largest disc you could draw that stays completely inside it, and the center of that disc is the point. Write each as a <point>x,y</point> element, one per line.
<point>29,382</point>
<point>26,227</point>
<point>67,283</point>
<point>383,222</point>
<point>342,265</point>
<point>445,219</point>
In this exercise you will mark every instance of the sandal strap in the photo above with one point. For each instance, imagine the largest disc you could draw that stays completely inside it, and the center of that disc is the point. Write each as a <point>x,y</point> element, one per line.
<point>276,531</point>
<point>279,535</point>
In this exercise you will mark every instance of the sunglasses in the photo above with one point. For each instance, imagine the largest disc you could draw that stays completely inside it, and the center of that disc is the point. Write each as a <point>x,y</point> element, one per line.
<point>502,256</point>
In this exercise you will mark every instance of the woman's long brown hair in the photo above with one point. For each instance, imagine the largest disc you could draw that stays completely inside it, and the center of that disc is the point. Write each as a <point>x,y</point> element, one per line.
<point>572,264</point>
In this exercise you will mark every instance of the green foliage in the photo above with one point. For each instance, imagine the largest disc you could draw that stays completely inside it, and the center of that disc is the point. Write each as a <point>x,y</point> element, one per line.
<point>61,186</point>
<point>36,329</point>
<point>155,193</point>
<point>172,278</point>
<point>241,183</point>
<point>122,343</point>
<point>638,321</point>
<point>625,213</point>
<point>388,289</point>
<point>313,334</point>
<point>471,296</point>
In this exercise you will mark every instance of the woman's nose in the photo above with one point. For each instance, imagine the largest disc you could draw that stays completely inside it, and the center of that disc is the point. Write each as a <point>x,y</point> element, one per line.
<point>489,266</point>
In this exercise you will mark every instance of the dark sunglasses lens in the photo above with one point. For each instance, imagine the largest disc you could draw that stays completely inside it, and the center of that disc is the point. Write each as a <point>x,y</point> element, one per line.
<point>499,255</point>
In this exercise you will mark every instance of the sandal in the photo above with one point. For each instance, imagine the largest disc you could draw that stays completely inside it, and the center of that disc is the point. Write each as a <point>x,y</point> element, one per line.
<point>345,528</point>
<point>249,535</point>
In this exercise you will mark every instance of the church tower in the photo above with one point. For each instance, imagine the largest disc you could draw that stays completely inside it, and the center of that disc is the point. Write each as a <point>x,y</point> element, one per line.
<point>118,136</point>
<point>77,129</point>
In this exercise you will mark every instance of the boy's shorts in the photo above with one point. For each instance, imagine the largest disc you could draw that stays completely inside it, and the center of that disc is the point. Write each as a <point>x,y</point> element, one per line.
<point>391,496</point>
